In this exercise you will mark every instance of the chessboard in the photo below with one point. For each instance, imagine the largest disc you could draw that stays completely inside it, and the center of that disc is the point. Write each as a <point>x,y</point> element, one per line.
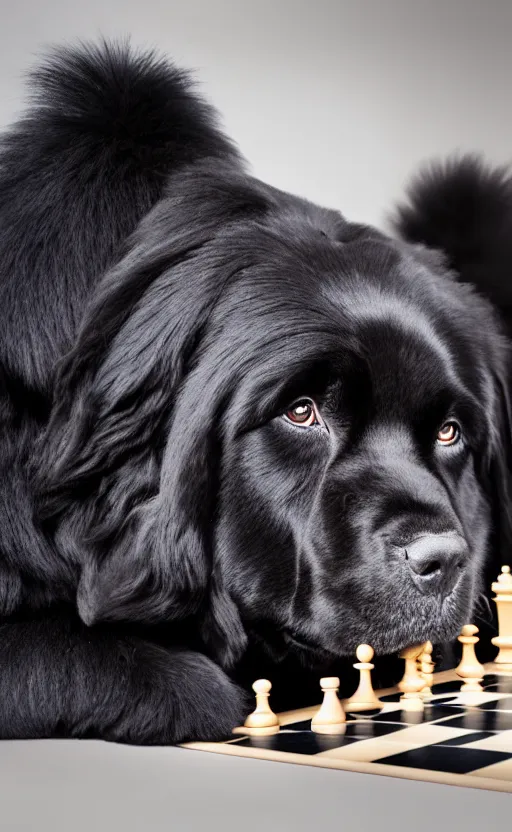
<point>449,742</point>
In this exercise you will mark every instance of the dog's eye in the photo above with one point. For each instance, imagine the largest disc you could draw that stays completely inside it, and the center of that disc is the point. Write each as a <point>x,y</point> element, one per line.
<point>303,413</point>
<point>449,434</point>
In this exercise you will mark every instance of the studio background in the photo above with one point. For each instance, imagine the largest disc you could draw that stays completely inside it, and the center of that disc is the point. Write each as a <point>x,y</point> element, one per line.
<point>335,100</point>
<point>339,101</point>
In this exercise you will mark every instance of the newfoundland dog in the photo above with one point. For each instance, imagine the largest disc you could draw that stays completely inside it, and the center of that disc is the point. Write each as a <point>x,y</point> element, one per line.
<point>229,417</point>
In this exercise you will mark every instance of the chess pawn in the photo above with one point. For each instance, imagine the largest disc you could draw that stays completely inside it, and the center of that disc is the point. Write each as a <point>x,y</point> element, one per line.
<point>330,718</point>
<point>427,671</point>
<point>470,668</point>
<point>503,589</point>
<point>262,722</point>
<point>364,698</point>
<point>412,683</point>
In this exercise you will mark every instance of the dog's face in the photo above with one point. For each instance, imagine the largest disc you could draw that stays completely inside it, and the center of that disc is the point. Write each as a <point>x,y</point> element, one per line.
<point>280,422</point>
<point>352,507</point>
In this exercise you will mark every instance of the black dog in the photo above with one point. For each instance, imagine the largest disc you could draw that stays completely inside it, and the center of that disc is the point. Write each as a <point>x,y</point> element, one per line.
<point>228,417</point>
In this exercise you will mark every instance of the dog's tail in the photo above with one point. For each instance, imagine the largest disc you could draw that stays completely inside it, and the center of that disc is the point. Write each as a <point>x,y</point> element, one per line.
<point>106,126</point>
<point>110,117</point>
<point>129,108</point>
<point>463,207</point>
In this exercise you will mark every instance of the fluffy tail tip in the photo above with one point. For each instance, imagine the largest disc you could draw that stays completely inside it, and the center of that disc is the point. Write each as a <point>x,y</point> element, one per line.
<point>460,206</point>
<point>117,93</point>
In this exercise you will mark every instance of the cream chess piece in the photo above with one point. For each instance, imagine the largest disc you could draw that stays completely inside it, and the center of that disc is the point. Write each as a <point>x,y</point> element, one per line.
<point>262,722</point>
<point>412,683</point>
<point>427,670</point>
<point>470,669</point>
<point>503,589</point>
<point>364,698</point>
<point>330,718</point>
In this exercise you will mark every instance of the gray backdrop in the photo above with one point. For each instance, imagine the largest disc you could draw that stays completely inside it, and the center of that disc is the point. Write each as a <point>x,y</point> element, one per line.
<point>338,100</point>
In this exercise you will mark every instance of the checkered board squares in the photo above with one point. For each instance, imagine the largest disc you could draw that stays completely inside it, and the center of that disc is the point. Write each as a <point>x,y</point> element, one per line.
<point>456,740</point>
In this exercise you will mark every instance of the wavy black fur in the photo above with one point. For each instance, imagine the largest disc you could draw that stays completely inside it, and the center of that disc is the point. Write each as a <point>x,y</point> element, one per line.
<point>463,207</point>
<point>106,127</point>
<point>166,528</point>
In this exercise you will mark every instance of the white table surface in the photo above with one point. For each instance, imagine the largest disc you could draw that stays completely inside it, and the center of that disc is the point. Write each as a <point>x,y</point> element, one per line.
<point>81,786</point>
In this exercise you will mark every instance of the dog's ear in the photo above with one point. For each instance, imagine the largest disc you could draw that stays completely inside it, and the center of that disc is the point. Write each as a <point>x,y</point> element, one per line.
<point>109,464</point>
<point>129,461</point>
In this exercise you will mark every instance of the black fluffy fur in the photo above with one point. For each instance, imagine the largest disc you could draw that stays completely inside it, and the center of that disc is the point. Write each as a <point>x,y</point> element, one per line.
<point>463,208</point>
<point>106,127</point>
<point>162,518</point>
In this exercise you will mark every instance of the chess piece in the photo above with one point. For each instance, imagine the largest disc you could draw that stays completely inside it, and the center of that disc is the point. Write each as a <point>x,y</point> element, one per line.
<point>262,722</point>
<point>470,668</point>
<point>330,718</point>
<point>364,698</point>
<point>503,589</point>
<point>412,683</point>
<point>427,671</point>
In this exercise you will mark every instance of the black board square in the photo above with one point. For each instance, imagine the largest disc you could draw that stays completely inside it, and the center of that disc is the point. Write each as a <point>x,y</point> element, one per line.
<point>475,719</point>
<point>390,697</point>
<point>444,758</point>
<point>304,725</point>
<point>368,729</point>
<point>364,714</point>
<point>446,687</point>
<point>504,704</point>
<point>400,717</point>
<point>492,679</point>
<point>431,713</point>
<point>443,700</point>
<point>467,739</point>
<point>501,684</point>
<point>297,742</point>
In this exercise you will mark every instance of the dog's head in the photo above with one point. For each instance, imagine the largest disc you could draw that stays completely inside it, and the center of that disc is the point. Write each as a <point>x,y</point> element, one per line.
<point>279,421</point>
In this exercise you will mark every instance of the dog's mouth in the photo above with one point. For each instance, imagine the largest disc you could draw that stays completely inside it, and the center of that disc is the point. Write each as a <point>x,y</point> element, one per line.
<point>437,619</point>
<point>279,643</point>
<point>311,651</point>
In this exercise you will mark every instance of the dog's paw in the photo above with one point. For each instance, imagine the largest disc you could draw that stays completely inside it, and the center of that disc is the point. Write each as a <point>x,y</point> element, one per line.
<point>179,696</point>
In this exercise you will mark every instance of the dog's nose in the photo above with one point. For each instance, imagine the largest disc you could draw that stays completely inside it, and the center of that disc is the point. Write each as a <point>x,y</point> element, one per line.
<point>435,561</point>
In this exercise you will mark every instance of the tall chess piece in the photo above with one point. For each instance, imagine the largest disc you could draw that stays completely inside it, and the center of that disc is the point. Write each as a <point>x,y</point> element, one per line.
<point>262,722</point>
<point>503,589</point>
<point>427,671</point>
<point>330,719</point>
<point>412,683</point>
<point>364,699</point>
<point>470,669</point>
